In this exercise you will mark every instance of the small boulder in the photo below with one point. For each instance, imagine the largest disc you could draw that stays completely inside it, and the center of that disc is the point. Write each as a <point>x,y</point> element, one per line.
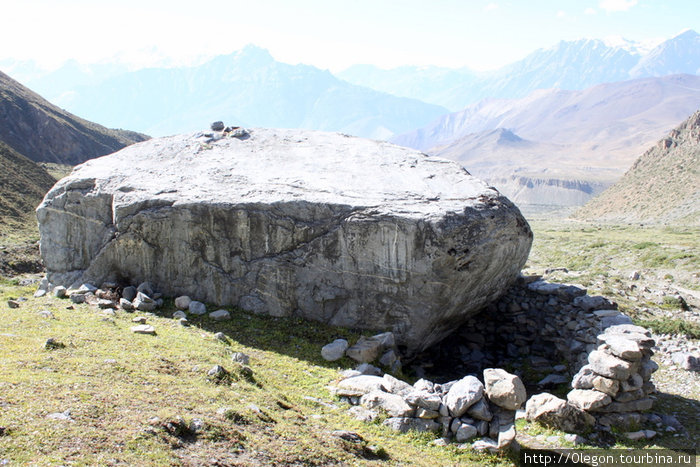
<point>463,394</point>
<point>197,308</point>
<point>405,424</point>
<point>144,329</point>
<point>183,302</point>
<point>217,126</point>
<point>392,404</point>
<point>465,432</point>
<point>550,410</point>
<point>588,399</point>
<point>504,389</point>
<point>359,385</point>
<point>179,314</point>
<point>609,366</point>
<point>220,315</point>
<point>129,293</point>
<point>59,291</point>
<point>335,350</point>
<point>143,302</point>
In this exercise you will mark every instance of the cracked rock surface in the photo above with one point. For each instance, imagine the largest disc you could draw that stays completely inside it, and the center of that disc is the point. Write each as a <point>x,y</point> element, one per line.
<point>343,230</point>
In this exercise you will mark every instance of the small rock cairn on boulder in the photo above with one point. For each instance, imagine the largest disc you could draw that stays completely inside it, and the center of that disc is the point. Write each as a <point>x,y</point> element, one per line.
<point>347,231</point>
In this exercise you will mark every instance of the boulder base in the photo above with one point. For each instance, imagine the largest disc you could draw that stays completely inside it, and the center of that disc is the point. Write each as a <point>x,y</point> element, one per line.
<point>343,230</point>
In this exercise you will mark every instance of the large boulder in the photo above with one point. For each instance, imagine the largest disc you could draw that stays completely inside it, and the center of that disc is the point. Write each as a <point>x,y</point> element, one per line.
<point>344,230</point>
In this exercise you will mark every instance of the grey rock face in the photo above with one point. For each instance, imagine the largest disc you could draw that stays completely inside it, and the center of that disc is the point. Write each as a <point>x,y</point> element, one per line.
<point>348,231</point>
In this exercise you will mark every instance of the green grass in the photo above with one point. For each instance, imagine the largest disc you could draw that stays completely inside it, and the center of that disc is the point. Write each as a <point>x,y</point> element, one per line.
<point>123,389</point>
<point>671,326</point>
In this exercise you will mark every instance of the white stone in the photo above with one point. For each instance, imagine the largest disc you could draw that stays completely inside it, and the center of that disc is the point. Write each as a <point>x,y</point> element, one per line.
<point>335,350</point>
<point>333,228</point>
<point>359,385</point>
<point>182,302</point>
<point>197,308</point>
<point>392,404</point>
<point>179,314</point>
<point>504,389</point>
<point>220,315</point>
<point>588,399</point>
<point>144,329</point>
<point>463,394</point>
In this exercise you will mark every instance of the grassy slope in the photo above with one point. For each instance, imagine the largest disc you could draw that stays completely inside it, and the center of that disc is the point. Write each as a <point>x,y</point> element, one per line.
<point>115,383</point>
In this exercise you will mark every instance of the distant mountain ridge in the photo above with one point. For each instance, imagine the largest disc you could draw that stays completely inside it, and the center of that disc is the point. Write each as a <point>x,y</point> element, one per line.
<point>43,132</point>
<point>569,65</point>
<point>533,148</point>
<point>661,186</point>
<point>247,88</point>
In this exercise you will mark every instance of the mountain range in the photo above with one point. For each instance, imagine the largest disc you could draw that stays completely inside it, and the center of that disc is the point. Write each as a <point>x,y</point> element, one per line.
<point>245,88</point>
<point>557,147</point>
<point>571,65</point>
<point>555,128</point>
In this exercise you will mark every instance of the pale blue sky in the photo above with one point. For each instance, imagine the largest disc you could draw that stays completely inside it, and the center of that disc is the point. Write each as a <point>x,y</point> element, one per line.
<point>480,34</point>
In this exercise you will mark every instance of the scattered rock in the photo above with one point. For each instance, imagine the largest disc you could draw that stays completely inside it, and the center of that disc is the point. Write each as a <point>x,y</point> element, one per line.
<point>241,358</point>
<point>144,329</point>
<point>183,302</point>
<point>53,344</point>
<point>59,291</point>
<point>217,126</point>
<point>197,308</point>
<point>129,293</point>
<point>179,314</point>
<point>65,415</point>
<point>13,303</point>
<point>220,315</point>
<point>139,319</point>
<point>335,350</point>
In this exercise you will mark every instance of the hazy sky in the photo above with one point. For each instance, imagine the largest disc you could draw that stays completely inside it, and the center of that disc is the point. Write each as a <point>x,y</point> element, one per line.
<point>330,34</point>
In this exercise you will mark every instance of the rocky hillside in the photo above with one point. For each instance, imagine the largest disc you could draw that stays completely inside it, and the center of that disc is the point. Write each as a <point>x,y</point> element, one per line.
<point>661,186</point>
<point>43,132</point>
<point>22,183</point>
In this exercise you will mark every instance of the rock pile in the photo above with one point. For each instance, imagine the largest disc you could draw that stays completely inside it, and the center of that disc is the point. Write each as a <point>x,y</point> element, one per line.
<point>379,348</point>
<point>616,380</point>
<point>549,328</point>
<point>112,296</point>
<point>460,410</point>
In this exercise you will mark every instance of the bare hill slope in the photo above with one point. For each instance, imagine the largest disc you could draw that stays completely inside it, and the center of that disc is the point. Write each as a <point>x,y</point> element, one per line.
<point>663,185</point>
<point>43,132</point>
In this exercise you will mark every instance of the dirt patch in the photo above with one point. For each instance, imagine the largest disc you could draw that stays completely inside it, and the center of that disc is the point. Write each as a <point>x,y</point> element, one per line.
<point>20,259</point>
